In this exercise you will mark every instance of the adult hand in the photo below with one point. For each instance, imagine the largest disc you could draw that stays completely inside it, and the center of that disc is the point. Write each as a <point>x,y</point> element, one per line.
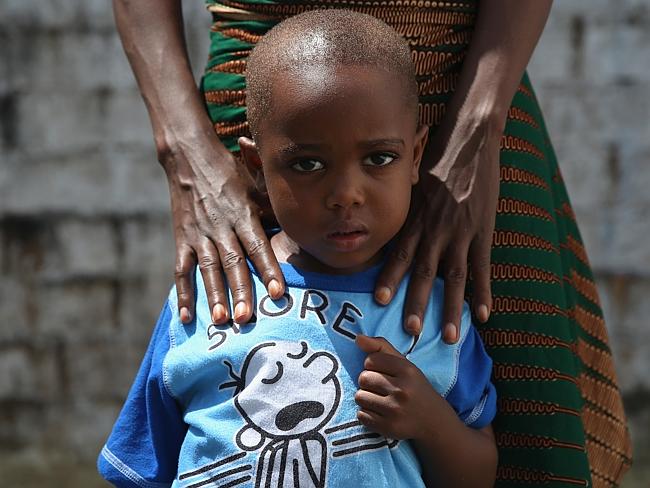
<point>451,222</point>
<point>216,225</point>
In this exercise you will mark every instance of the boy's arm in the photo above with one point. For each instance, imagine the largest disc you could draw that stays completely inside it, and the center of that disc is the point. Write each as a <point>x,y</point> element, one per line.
<point>143,448</point>
<point>452,454</point>
<point>397,400</point>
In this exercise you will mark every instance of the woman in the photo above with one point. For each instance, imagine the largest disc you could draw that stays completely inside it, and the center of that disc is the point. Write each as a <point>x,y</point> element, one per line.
<point>560,414</point>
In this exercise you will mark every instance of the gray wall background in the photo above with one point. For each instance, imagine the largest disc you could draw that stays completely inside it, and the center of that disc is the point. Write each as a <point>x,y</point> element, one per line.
<point>81,197</point>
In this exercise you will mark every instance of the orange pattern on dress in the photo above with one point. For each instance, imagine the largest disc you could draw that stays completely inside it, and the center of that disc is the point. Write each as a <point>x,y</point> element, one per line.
<point>590,323</point>
<point>513,305</point>
<point>600,481</point>
<point>392,12</point>
<point>524,89</point>
<point>427,35</point>
<point>494,338</point>
<point>517,406</point>
<point>509,238</point>
<point>515,113</point>
<point>239,34</point>
<point>601,394</point>
<point>600,360</point>
<point>511,174</point>
<point>607,461</point>
<point>427,62</point>
<point>438,84</point>
<point>431,113</point>
<point>525,475</point>
<point>606,431</point>
<point>566,211</point>
<point>584,286</point>
<point>524,372</point>
<point>226,97</point>
<point>234,66</point>
<point>604,437</point>
<point>513,143</point>
<point>513,440</point>
<point>576,247</point>
<point>521,207</point>
<point>519,272</point>
<point>228,129</point>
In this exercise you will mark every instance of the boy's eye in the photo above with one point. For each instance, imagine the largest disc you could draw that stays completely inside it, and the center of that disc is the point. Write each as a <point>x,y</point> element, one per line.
<point>379,159</point>
<point>308,165</point>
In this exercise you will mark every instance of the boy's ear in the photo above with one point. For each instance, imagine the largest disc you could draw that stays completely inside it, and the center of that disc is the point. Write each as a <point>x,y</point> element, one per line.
<point>421,138</point>
<point>253,162</point>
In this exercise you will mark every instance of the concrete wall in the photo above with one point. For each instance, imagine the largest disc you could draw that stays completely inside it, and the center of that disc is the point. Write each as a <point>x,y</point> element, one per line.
<point>81,196</point>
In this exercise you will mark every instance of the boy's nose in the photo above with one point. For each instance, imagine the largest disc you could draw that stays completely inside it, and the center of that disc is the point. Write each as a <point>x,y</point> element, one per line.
<point>345,192</point>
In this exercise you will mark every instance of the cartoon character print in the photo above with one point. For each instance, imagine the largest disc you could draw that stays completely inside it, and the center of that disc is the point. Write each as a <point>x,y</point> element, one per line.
<point>287,394</point>
<point>275,397</point>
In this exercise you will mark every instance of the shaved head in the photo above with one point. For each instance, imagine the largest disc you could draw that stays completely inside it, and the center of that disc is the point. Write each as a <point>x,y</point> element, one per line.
<point>326,39</point>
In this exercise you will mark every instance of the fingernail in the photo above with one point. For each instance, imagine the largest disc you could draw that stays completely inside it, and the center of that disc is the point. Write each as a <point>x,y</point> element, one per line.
<point>483,313</point>
<point>450,333</point>
<point>274,288</point>
<point>413,324</point>
<point>218,313</point>
<point>383,295</point>
<point>186,315</point>
<point>240,311</point>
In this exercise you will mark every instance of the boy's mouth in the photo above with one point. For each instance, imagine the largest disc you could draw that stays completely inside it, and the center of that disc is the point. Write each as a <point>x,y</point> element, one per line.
<point>347,236</point>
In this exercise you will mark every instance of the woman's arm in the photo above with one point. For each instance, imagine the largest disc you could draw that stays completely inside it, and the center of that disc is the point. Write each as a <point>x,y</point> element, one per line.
<point>212,208</point>
<point>454,207</point>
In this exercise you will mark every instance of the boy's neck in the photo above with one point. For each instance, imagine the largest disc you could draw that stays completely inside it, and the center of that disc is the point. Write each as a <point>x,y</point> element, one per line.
<point>288,251</point>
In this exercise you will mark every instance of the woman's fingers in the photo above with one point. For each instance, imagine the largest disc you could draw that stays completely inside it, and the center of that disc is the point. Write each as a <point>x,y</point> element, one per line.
<point>184,279</point>
<point>455,274</point>
<point>479,258</point>
<point>399,261</point>
<point>258,248</point>
<point>233,261</point>
<point>419,289</point>
<point>210,267</point>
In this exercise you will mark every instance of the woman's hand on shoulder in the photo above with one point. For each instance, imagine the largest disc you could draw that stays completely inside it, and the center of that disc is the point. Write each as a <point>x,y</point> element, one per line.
<point>450,223</point>
<point>217,225</point>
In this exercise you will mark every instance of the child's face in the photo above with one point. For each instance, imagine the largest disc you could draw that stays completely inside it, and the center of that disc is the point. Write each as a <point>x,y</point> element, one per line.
<point>340,152</point>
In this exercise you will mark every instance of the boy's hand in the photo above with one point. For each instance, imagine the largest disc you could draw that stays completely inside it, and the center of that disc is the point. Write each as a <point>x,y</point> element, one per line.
<point>394,396</point>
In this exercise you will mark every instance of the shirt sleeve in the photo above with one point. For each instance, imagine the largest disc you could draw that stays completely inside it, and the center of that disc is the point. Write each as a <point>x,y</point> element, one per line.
<point>473,396</point>
<point>142,450</point>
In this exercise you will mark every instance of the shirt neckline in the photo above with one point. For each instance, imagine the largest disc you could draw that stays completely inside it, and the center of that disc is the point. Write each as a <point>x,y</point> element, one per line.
<point>360,282</point>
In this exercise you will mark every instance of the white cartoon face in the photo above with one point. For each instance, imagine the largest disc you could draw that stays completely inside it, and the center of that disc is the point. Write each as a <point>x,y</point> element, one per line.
<point>287,391</point>
<point>287,394</point>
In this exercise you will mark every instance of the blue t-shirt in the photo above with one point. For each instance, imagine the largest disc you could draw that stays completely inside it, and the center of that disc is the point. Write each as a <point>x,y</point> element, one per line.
<point>272,403</point>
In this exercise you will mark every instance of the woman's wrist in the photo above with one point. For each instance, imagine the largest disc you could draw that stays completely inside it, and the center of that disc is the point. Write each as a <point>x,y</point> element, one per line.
<point>192,151</point>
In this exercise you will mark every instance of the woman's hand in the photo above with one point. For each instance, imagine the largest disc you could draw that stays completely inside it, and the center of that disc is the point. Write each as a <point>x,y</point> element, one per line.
<point>454,206</point>
<point>451,221</point>
<point>216,225</point>
<point>216,221</point>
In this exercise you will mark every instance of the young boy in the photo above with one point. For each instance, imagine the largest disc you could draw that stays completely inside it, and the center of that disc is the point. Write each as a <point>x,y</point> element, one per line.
<point>303,395</point>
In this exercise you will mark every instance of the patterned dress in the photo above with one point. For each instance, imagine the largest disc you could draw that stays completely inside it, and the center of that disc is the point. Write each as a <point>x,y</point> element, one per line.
<point>560,418</point>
